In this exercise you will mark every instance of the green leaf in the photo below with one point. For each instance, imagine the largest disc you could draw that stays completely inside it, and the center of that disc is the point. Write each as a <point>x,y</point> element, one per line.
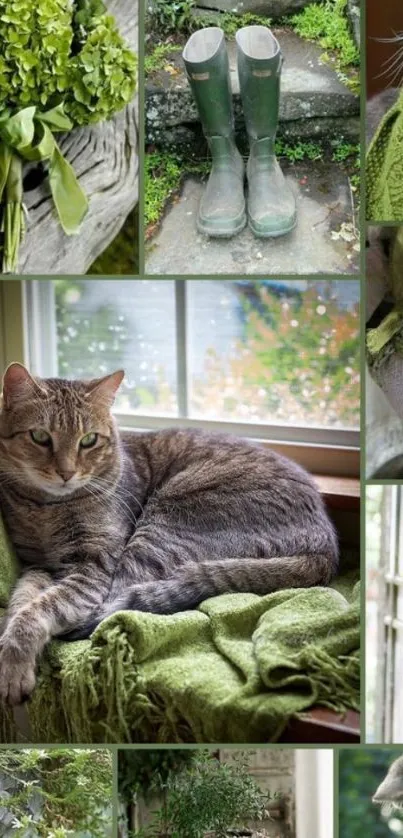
<point>70,201</point>
<point>18,132</point>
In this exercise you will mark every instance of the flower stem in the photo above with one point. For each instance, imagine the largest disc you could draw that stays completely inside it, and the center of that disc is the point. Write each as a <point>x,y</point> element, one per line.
<point>13,219</point>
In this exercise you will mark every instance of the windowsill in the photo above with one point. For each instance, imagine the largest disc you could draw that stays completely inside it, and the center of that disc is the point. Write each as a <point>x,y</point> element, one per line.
<point>323,726</point>
<point>339,492</point>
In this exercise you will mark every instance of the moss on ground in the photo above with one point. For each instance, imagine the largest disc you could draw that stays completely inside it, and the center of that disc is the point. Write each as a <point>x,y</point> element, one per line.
<point>122,256</point>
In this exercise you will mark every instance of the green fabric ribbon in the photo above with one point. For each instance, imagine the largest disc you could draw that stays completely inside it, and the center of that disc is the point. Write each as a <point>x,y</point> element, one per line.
<point>384,168</point>
<point>29,134</point>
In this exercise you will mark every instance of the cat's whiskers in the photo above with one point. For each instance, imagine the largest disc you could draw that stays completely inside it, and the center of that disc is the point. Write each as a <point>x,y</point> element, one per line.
<point>395,68</point>
<point>394,64</point>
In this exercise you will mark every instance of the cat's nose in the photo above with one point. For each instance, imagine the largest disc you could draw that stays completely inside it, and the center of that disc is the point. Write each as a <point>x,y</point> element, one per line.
<point>66,475</point>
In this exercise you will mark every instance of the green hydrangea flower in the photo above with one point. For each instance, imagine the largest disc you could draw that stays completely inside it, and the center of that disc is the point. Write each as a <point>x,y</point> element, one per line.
<point>35,45</point>
<point>63,63</point>
<point>101,75</point>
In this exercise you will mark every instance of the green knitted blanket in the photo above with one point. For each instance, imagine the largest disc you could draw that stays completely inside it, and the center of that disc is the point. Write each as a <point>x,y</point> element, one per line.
<point>384,168</point>
<point>235,670</point>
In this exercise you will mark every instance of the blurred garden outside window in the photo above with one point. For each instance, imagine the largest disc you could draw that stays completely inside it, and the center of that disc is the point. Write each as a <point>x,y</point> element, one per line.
<point>276,359</point>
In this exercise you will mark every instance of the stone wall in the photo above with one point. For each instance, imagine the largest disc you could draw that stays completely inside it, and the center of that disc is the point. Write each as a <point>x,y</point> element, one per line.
<point>271,8</point>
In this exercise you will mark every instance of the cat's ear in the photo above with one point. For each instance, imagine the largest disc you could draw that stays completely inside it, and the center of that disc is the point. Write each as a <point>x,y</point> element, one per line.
<point>105,389</point>
<point>18,383</point>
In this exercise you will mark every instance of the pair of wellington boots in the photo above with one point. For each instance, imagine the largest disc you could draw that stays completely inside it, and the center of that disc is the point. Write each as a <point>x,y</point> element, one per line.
<point>271,204</point>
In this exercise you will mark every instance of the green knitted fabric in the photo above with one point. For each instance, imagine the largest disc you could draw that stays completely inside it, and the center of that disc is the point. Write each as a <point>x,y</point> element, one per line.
<point>235,670</point>
<point>384,168</point>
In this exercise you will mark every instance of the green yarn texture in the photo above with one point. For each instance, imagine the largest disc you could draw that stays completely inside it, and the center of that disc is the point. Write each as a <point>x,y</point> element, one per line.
<point>235,670</point>
<point>384,168</point>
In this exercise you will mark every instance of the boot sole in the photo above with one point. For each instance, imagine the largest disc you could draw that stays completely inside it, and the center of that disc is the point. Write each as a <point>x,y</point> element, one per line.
<point>272,234</point>
<point>223,233</point>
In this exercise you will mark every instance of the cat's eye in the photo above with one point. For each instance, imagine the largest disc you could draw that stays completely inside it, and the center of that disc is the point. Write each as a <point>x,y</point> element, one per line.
<point>41,438</point>
<point>88,441</point>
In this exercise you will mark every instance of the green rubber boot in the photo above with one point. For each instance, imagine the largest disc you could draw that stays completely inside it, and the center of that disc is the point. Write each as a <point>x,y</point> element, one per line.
<point>271,203</point>
<point>222,207</point>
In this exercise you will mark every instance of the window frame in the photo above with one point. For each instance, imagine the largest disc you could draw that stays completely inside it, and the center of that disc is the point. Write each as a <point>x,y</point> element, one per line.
<point>390,626</point>
<point>32,339</point>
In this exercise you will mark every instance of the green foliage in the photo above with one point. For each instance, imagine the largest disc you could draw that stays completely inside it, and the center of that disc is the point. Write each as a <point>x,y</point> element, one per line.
<point>50,54</point>
<point>35,41</point>
<point>343,151</point>
<point>101,75</point>
<point>209,796</point>
<point>163,174</point>
<point>299,151</point>
<point>149,771</point>
<point>156,59</point>
<point>171,16</point>
<point>74,787</point>
<point>361,771</point>
<point>327,23</point>
<point>163,177</point>
<point>230,22</point>
<point>121,256</point>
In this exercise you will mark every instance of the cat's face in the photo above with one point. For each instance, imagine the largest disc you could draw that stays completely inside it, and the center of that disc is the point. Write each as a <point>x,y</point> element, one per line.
<point>57,436</point>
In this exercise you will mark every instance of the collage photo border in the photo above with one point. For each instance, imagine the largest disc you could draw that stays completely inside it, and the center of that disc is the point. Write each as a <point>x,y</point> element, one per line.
<point>336,748</point>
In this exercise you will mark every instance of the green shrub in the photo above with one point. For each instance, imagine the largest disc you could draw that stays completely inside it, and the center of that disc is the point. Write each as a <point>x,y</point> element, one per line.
<point>209,796</point>
<point>74,788</point>
<point>170,16</point>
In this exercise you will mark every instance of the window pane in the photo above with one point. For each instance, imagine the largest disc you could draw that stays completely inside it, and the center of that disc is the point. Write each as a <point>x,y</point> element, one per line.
<point>283,352</point>
<point>106,324</point>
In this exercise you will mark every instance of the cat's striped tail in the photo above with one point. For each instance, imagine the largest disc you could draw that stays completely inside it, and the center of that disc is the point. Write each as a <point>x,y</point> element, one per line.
<point>197,582</point>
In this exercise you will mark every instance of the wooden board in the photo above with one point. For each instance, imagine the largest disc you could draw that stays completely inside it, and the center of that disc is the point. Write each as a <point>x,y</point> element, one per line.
<point>105,160</point>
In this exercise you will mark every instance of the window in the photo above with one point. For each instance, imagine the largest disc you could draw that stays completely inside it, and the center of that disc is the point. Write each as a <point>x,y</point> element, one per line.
<point>270,359</point>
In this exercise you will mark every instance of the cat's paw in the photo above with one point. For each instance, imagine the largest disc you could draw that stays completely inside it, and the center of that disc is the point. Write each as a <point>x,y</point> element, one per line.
<point>17,679</point>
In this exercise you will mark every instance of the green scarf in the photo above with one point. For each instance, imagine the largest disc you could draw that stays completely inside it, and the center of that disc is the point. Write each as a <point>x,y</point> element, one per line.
<point>384,169</point>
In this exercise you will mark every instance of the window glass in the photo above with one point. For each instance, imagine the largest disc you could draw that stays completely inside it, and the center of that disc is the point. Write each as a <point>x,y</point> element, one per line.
<point>108,324</point>
<point>259,351</point>
<point>272,351</point>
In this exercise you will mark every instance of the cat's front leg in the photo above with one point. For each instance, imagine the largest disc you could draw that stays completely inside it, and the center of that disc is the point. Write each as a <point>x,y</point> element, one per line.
<point>51,612</point>
<point>29,586</point>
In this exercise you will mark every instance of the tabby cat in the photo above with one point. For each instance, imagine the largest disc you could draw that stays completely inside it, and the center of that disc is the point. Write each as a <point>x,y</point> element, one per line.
<point>103,521</point>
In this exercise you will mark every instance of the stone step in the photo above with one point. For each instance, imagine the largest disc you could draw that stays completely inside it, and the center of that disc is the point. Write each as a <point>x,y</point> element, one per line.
<point>313,102</point>
<point>322,242</point>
